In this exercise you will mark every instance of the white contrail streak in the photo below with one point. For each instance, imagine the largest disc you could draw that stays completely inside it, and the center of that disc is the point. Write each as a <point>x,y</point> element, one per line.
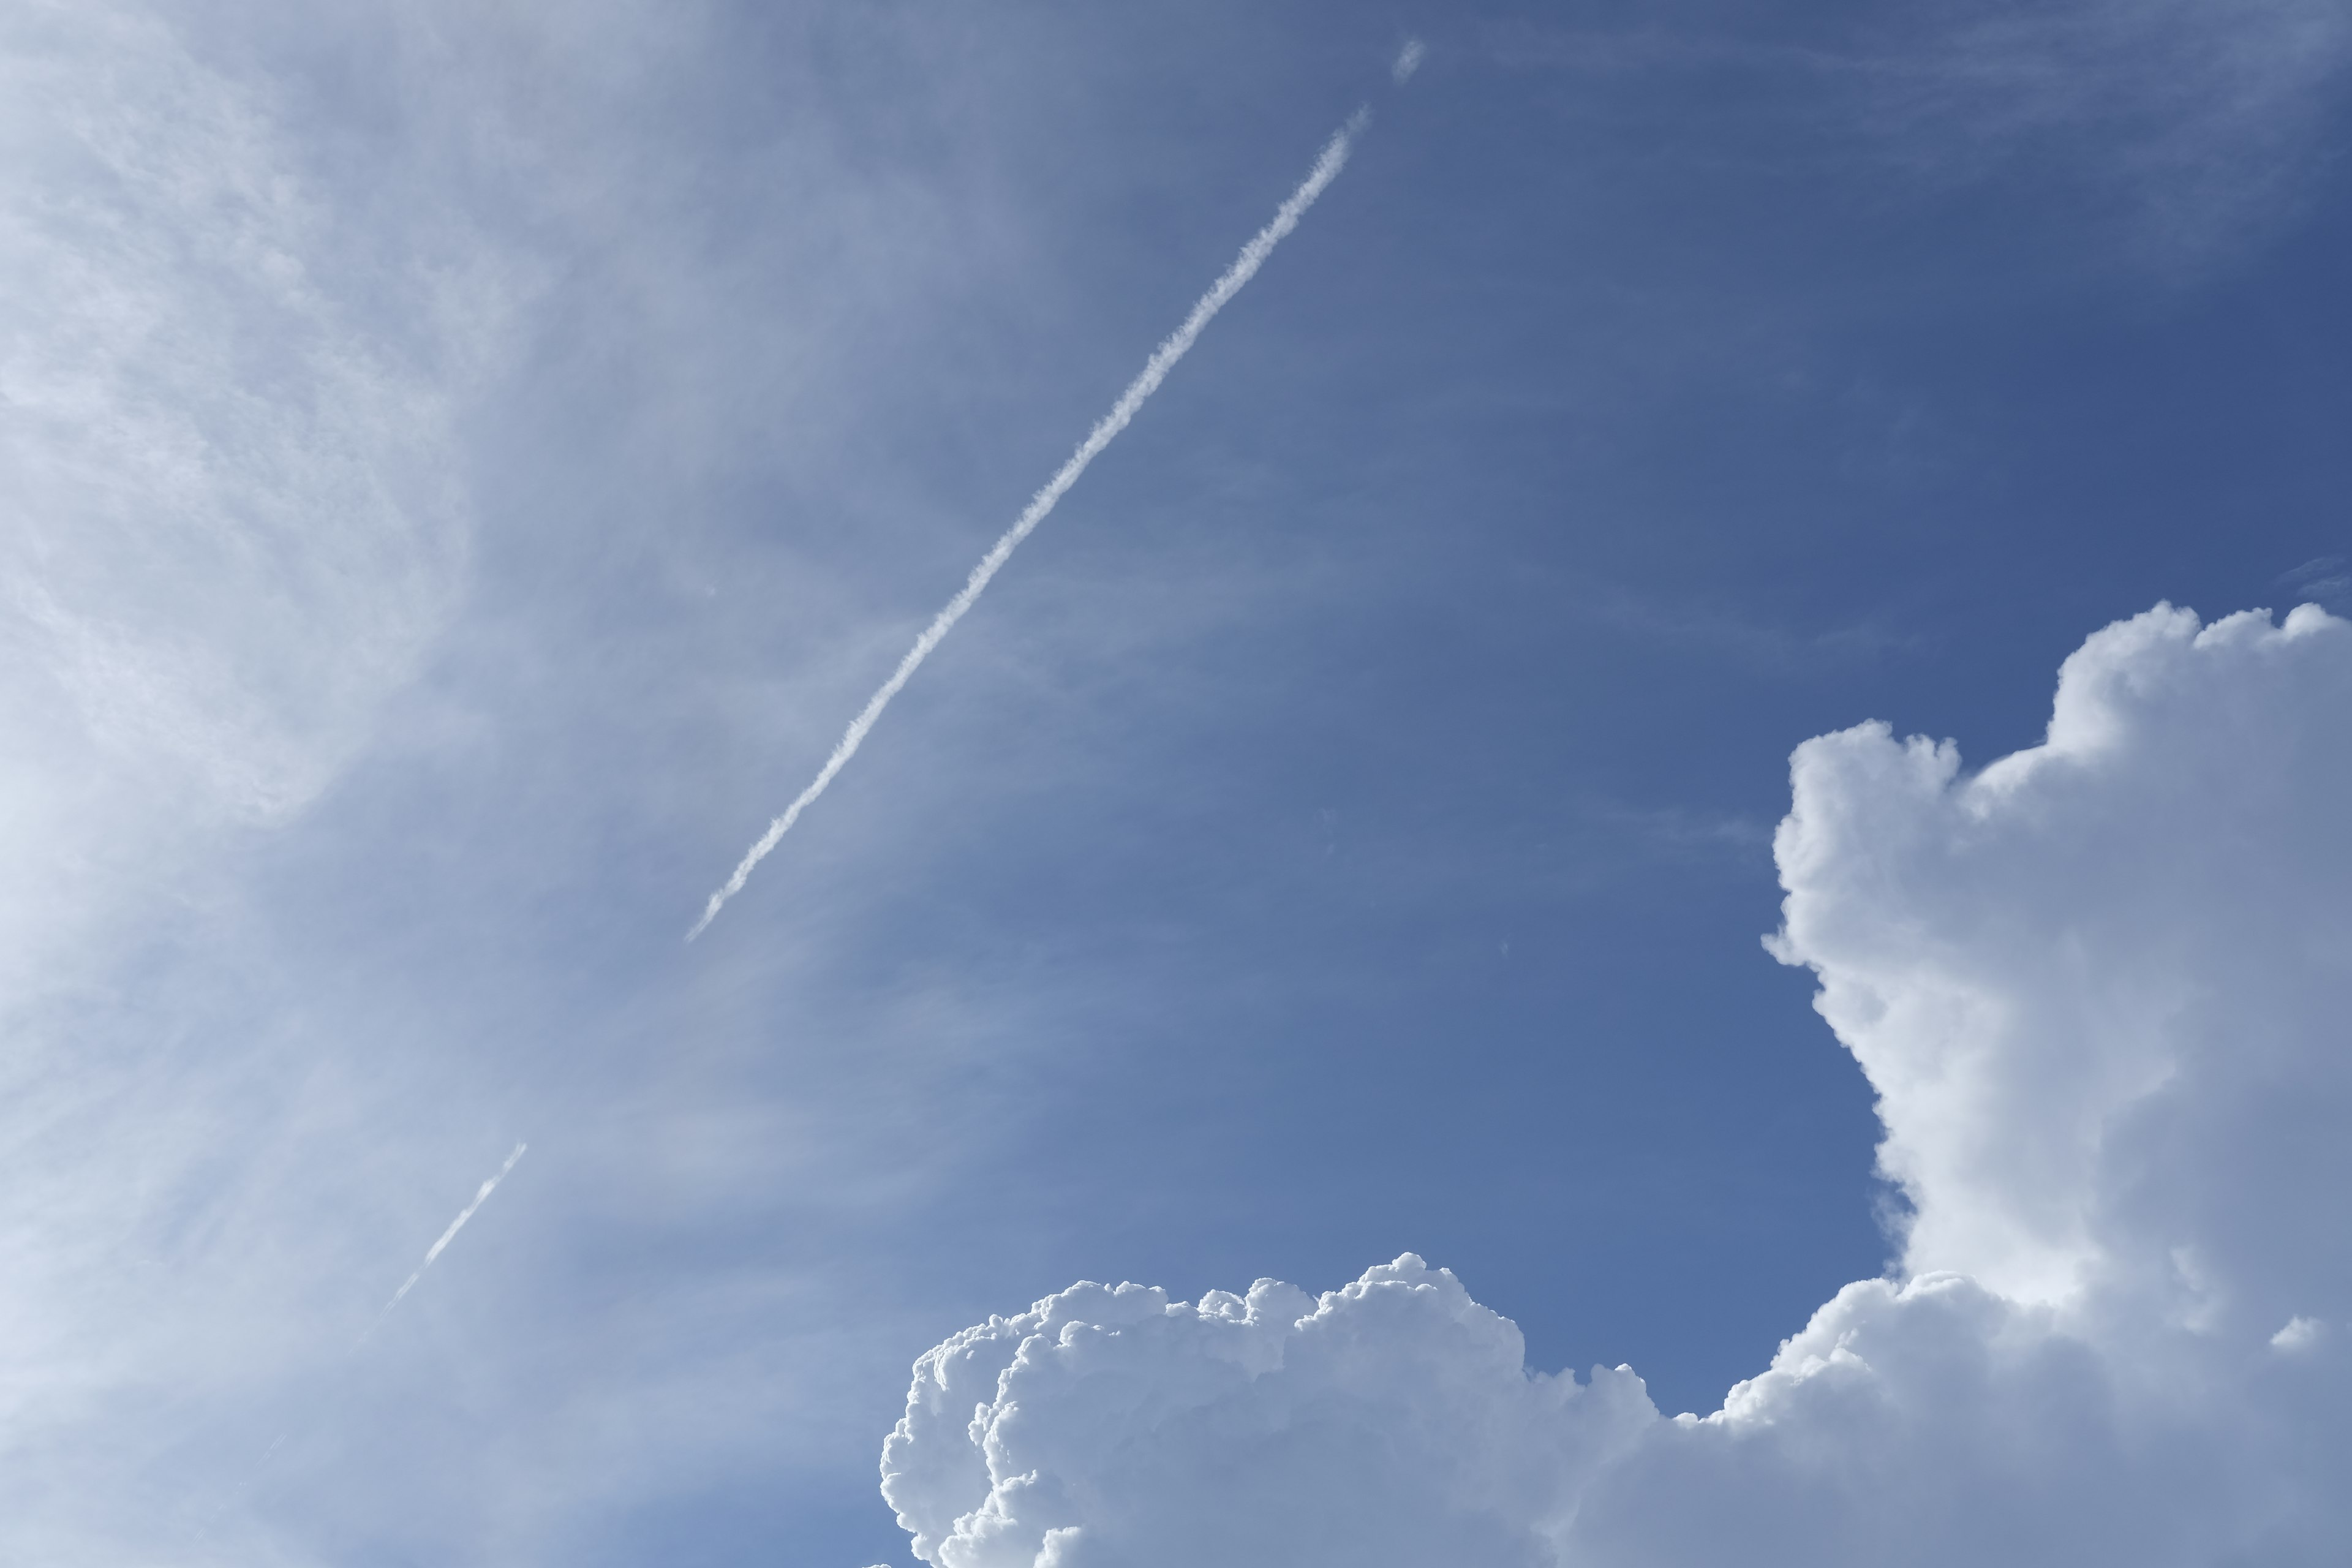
<point>481,1196</point>
<point>1163,359</point>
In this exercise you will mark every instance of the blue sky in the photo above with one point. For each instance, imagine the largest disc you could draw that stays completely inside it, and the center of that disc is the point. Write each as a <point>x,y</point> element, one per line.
<point>1344,829</point>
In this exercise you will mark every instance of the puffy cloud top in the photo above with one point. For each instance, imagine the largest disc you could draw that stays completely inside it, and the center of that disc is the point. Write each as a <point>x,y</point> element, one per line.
<point>2096,986</point>
<point>1276,1411</point>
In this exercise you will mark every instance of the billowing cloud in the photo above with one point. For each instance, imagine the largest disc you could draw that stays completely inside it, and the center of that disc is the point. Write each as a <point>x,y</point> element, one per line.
<point>2097,987</point>
<point>1115,1426</point>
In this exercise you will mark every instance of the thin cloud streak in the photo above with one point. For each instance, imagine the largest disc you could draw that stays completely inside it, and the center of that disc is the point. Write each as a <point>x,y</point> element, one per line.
<point>1333,158</point>
<point>481,1196</point>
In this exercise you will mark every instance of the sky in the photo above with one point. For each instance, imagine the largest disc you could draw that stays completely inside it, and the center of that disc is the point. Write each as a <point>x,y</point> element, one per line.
<point>1412,806</point>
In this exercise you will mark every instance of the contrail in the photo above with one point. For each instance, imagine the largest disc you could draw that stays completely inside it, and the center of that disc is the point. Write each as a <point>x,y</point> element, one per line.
<point>1334,157</point>
<point>481,1196</point>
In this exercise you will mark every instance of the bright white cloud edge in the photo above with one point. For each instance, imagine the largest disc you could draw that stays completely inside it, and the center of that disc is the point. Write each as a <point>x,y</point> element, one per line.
<point>2097,988</point>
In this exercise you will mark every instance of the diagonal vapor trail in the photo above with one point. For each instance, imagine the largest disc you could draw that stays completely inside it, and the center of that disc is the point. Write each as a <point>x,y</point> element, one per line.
<point>1334,157</point>
<point>481,1196</point>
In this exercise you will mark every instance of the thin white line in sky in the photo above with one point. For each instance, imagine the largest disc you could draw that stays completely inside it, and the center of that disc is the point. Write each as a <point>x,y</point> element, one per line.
<point>481,1196</point>
<point>1163,359</point>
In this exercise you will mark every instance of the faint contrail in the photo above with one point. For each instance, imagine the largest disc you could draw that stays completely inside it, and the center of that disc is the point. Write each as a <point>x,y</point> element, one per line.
<point>1253,255</point>
<point>481,1196</point>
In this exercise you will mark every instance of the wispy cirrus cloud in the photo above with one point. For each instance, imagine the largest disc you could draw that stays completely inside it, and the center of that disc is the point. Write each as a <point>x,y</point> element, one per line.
<point>232,529</point>
<point>2326,579</point>
<point>211,453</point>
<point>2193,126</point>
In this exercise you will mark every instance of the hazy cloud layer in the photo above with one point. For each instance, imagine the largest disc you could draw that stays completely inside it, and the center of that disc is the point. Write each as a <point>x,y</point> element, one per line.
<point>2097,988</point>
<point>253,324</point>
<point>230,531</point>
<point>230,528</point>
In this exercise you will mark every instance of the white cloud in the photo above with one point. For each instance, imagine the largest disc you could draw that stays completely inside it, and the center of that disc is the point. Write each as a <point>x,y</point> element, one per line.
<point>1173,348</point>
<point>285,261</point>
<point>2092,983</point>
<point>2299,1335</point>
<point>1116,1426</point>
<point>2097,988</point>
<point>228,530</point>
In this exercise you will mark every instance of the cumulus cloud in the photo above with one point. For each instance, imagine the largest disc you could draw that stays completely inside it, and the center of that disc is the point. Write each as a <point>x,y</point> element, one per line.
<point>2092,983</point>
<point>2097,988</point>
<point>1115,1426</point>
